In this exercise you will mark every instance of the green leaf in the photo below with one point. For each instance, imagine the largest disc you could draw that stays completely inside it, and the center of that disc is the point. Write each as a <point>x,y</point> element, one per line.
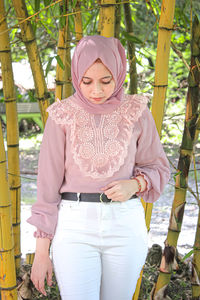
<point>74,3</point>
<point>59,61</point>
<point>131,38</point>
<point>48,66</point>
<point>47,2</point>
<point>188,255</point>
<point>37,5</point>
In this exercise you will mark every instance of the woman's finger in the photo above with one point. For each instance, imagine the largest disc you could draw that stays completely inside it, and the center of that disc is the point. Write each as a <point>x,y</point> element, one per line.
<point>49,277</point>
<point>41,287</point>
<point>110,185</point>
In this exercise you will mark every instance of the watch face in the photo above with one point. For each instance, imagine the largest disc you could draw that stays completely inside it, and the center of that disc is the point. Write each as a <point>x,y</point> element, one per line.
<point>104,198</point>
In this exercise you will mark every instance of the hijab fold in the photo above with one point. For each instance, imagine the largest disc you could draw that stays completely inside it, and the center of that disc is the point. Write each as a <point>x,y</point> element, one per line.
<point>112,55</point>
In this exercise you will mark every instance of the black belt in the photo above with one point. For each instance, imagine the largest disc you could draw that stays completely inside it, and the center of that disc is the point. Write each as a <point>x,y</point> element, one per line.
<point>88,197</point>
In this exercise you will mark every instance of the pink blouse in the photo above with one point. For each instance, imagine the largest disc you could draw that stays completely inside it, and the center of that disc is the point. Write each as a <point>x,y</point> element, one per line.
<point>83,152</point>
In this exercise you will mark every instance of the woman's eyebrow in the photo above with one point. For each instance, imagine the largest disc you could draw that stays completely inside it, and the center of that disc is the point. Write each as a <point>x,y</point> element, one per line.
<point>105,77</point>
<point>110,76</point>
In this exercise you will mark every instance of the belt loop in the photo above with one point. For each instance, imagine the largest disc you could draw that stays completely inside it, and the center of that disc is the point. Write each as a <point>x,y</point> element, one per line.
<point>78,197</point>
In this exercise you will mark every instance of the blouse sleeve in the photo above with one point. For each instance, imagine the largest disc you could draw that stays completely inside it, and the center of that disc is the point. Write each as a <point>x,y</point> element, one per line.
<point>151,161</point>
<point>49,181</point>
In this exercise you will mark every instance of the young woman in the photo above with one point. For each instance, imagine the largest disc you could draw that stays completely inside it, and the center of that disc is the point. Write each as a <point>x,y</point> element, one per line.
<point>100,153</point>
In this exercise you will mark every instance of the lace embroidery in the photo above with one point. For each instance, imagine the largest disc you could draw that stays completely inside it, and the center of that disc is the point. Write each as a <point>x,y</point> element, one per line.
<point>99,151</point>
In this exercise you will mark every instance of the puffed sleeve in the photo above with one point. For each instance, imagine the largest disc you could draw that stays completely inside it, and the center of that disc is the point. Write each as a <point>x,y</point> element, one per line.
<point>49,180</point>
<point>151,160</point>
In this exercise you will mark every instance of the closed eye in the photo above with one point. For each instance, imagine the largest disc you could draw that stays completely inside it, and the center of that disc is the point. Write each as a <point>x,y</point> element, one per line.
<point>106,82</point>
<point>86,82</point>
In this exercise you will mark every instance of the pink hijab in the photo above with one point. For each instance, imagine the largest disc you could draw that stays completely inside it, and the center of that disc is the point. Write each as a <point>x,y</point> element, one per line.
<point>112,54</point>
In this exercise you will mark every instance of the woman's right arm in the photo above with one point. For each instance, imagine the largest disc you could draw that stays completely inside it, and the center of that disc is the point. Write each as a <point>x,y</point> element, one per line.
<point>42,265</point>
<point>51,170</point>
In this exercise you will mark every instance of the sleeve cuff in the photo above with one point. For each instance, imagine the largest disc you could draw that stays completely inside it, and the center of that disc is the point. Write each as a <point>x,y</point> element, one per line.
<point>41,234</point>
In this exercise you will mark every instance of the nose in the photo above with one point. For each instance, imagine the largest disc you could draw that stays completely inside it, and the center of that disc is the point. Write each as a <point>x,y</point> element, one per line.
<point>97,88</point>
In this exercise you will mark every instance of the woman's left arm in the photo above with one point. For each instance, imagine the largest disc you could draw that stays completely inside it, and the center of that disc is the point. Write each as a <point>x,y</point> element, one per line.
<point>151,161</point>
<point>151,171</point>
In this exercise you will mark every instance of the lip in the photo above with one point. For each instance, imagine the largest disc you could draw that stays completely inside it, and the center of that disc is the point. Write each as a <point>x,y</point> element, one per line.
<point>97,99</point>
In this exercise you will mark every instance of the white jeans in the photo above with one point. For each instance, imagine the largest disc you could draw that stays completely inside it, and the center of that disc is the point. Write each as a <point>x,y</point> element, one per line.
<point>99,249</point>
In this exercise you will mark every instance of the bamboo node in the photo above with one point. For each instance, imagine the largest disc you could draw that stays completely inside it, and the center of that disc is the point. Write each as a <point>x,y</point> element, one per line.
<point>15,187</point>
<point>13,145</point>
<point>15,225</point>
<point>29,41</point>
<point>160,85</point>
<point>59,82</point>
<point>3,162</point>
<point>107,4</point>
<point>8,288</point>
<point>186,152</point>
<point>9,100</point>
<point>7,250</point>
<point>4,206</point>
<point>5,51</point>
<point>166,28</point>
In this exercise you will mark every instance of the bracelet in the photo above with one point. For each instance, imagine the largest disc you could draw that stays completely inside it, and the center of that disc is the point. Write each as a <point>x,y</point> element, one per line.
<point>139,184</point>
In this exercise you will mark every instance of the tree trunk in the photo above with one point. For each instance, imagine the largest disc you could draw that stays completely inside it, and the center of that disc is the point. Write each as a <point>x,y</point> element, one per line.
<point>28,38</point>
<point>131,50</point>
<point>7,262</point>
<point>186,151</point>
<point>12,131</point>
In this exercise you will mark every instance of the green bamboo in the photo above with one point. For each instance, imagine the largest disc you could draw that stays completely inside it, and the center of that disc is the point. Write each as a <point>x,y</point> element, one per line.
<point>60,53</point>
<point>63,76</point>
<point>131,50</point>
<point>196,257</point>
<point>12,131</point>
<point>107,18</point>
<point>160,87</point>
<point>7,262</point>
<point>28,37</point>
<point>117,19</point>
<point>67,88</point>
<point>186,152</point>
<point>78,22</point>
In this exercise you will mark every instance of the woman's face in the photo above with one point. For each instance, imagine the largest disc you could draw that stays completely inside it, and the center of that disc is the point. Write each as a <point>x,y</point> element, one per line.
<point>97,84</point>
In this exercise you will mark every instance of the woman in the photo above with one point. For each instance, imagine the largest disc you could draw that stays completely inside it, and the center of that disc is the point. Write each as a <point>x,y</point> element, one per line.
<point>100,153</point>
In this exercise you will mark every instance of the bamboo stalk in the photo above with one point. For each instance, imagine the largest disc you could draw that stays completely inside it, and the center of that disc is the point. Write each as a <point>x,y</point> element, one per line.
<point>78,22</point>
<point>12,131</point>
<point>7,262</point>
<point>59,70</point>
<point>107,18</point>
<point>196,263</point>
<point>117,19</point>
<point>186,152</point>
<point>161,80</point>
<point>131,50</point>
<point>67,88</point>
<point>63,82</point>
<point>29,40</point>
<point>196,74</point>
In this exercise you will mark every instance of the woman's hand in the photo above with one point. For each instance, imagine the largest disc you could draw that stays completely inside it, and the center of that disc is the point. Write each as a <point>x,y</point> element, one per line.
<point>42,266</point>
<point>122,190</point>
